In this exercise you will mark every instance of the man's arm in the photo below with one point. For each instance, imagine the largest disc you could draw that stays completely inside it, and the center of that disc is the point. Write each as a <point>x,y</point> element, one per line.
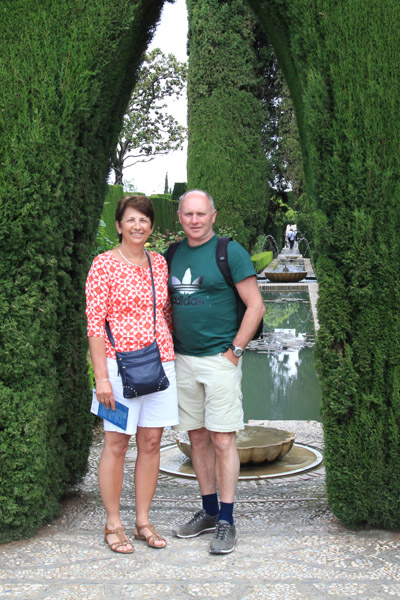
<point>250,294</point>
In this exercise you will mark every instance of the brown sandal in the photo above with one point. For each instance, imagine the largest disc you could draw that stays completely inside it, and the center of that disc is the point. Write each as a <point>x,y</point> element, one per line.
<point>123,540</point>
<point>150,539</point>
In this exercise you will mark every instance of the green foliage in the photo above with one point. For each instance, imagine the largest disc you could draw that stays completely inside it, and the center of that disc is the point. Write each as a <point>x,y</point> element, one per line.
<point>289,150</point>
<point>262,260</point>
<point>225,154</point>
<point>179,189</point>
<point>66,75</point>
<point>107,236</point>
<point>103,242</point>
<point>223,230</point>
<point>342,69</point>
<point>159,242</point>
<point>165,210</point>
<point>149,129</point>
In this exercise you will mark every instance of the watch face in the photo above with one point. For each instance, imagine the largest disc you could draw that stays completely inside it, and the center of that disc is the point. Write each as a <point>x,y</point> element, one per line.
<point>238,351</point>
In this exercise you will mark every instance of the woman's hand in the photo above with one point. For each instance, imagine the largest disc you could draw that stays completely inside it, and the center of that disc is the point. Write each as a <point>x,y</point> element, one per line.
<point>105,394</point>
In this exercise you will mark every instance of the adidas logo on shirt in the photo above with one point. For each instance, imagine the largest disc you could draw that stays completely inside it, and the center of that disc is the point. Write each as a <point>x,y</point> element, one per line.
<point>186,286</point>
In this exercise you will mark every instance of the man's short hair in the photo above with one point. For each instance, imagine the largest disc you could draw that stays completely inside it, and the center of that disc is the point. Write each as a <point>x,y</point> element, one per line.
<point>181,199</point>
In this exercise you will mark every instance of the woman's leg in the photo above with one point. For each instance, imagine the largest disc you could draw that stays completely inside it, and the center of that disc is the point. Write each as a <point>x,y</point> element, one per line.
<point>111,476</point>
<point>148,441</point>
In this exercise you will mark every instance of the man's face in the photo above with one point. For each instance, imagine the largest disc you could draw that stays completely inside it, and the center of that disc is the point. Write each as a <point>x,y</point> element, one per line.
<point>197,218</point>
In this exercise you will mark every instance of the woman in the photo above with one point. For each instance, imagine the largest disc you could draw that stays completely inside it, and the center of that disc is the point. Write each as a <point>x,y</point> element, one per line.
<point>118,289</point>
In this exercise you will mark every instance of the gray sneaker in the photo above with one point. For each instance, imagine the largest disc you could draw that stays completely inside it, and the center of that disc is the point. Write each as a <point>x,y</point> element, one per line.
<point>200,523</point>
<point>224,539</point>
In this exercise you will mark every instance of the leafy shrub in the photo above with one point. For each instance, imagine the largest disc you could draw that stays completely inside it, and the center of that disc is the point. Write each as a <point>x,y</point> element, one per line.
<point>262,260</point>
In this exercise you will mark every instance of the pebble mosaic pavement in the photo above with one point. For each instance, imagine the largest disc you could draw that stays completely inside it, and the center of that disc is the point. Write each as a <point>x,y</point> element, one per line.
<point>290,546</point>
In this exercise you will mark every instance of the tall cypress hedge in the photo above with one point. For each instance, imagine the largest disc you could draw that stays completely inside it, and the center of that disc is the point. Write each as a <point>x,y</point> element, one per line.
<point>66,73</point>
<point>341,62</point>
<point>225,155</point>
<point>165,213</point>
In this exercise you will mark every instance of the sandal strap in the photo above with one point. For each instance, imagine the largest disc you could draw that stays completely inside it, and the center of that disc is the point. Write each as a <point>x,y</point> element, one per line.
<point>115,545</point>
<point>119,532</point>
<point>148,525</point>
<point>150,539</point>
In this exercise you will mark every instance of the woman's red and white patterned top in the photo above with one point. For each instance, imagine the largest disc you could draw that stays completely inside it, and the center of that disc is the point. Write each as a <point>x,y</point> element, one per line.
<point>122,293</point>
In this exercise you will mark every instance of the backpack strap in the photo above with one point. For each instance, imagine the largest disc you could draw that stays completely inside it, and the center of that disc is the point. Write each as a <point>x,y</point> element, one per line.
<point>221,256</point>
<point>169,253</point>
<point>223,265</point>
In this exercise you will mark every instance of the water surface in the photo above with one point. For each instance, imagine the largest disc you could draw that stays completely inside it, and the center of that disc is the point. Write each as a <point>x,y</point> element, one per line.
<point>280,381</point>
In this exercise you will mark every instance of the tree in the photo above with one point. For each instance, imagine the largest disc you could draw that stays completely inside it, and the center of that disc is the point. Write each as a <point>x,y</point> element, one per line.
<point>166,190</point>
<point>226,116</point>
<point>148,129</point>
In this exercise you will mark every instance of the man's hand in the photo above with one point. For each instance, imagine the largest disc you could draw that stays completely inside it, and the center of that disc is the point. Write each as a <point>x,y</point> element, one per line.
<point>231,357</point>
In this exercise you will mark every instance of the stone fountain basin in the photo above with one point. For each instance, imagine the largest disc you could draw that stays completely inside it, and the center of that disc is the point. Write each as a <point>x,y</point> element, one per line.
<point>255,444</point>
<point>287,270</point>
<point>285,276</point>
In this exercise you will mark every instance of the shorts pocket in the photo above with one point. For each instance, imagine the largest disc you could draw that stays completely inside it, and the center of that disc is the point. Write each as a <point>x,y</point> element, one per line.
<point>226,361</point>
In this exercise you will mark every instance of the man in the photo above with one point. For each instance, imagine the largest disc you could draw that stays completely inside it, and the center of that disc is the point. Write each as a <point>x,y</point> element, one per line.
<point>208,346</point>
<point>291,237</point>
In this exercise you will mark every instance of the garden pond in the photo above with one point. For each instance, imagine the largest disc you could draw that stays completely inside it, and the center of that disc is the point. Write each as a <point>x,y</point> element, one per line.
<point>279,376</point>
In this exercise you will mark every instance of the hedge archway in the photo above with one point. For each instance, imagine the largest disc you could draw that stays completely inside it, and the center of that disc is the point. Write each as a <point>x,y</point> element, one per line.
<point>67,71</point>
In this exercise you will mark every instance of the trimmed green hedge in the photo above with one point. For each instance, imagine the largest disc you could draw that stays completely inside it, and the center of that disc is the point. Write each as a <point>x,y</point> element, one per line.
<point>262,260</point>
<point>66,74</point>
<point>179,190</point>
<point>341,63</point>
<point>114,194</point>
<point>166,218</point>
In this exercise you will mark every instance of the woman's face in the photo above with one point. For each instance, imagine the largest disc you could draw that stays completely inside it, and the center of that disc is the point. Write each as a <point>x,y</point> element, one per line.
<point>135,227</point>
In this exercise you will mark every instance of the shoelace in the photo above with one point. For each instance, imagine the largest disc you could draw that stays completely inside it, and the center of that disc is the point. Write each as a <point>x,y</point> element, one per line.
<point>222,531</point>
<point>196,517</point>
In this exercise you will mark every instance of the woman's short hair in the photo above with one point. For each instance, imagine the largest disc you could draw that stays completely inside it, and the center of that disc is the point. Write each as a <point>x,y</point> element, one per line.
<point>141,203</point>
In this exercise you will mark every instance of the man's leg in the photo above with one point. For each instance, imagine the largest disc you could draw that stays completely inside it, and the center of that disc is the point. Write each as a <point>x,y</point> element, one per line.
<point>227,464</point>
<point>203,460</point>
<point>227,472</point>
<point>191,417</point>
<point>224,409</point>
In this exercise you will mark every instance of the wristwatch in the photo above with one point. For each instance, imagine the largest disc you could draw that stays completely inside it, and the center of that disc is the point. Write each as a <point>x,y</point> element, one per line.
<point>237,350</point>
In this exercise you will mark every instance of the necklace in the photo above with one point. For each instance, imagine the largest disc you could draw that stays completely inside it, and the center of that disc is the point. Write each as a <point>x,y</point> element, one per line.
<point>129,261</point>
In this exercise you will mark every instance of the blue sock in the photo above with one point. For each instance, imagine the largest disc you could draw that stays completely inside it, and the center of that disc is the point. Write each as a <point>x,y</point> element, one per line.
<point>226,512</point>
<point>210,504</point>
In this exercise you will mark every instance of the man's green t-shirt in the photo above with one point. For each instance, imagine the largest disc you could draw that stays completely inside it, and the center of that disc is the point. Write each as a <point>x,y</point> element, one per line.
<point>204,306</point>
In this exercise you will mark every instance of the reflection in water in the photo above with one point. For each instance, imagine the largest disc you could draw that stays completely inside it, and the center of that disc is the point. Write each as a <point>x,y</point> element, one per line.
<point>279,379</point>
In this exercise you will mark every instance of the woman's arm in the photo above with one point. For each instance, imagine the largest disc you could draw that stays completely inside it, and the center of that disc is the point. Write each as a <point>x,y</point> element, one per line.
<point>104,390</point>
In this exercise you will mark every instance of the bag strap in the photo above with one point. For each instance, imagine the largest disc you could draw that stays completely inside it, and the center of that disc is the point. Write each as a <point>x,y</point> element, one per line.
<point>169,253</point>
<point>107,324</point>
<point>154,292</point>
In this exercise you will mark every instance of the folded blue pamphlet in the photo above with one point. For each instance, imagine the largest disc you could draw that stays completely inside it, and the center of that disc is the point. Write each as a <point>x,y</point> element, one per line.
<point>118,417</point>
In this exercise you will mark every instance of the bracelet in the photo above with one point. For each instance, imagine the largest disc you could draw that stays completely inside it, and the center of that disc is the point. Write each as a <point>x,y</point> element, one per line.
<point>101,380</point>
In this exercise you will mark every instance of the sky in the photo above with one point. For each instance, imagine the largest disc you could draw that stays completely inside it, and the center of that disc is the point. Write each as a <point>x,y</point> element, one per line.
<point>170,36</point>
